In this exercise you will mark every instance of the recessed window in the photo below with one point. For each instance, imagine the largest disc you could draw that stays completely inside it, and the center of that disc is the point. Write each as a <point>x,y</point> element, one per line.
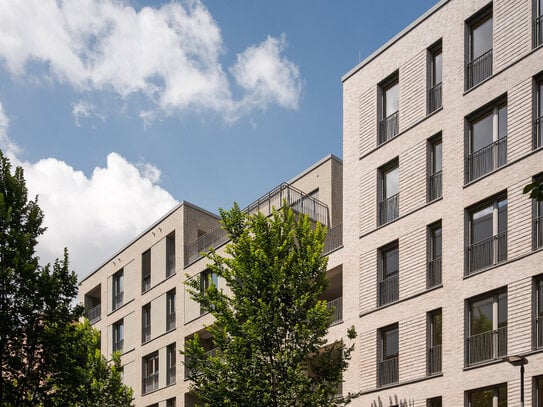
<point>538,393</point>
<point>434,402</point>
<point>434,342</point>
<point>146,271</point>
<point>434,255</point>
<point>389,109</point>
<point>118,336</point>
<point>150,372</point>
<point>538,121</point>
<point>488,396</point>
<point>117,292</point>
<point>435,167</point>
<point>479,48</point>
<point>207,278</point>
<point>435,78</point>
<point>538,23</point>
<point>389,194</point>
<point>387,366</point>
<point>170,364</point>
<point>538,334</point>
<point>170,310</point>
<point>388,275</point>
<point>146,323</point>
<point>537,227</point>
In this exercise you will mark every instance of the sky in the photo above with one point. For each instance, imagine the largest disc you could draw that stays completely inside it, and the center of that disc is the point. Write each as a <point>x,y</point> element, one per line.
<point>119,109</point>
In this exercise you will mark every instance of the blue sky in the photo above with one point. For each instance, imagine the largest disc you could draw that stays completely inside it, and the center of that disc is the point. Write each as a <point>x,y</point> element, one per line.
<point>119,109</point>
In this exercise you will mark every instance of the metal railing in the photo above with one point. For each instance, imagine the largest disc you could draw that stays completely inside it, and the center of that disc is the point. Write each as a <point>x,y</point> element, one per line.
<point>389,209</point>
<point>538,31</point>
<point>337,306</point>
<point>539,332</point>
<point>479,69</point>
<point>388,290</point>
<point>487,159</point>
<point>145,333</point>
<point>434,186</point>
<point>299,201</point>
<point>170,321</point>
<point>170,375</point>
<point>389,127</point>
<point>486,346</point>
<point>118,346</point>
<point>487,252</point>
<point>150,383</point>
<point>117,300</point>
<point>434,273</point>
<point>538,232</point>
<point>334,239</point>
<point>94,314</point>
<point>434,98</point>
<point>387,371</point>
<point>434,359</point>
<point>538,132</point>
<point>171,265</point>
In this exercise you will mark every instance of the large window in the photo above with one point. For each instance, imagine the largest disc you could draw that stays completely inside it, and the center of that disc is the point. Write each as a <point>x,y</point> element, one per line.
<point>387,365</point>
<point>538,26</point>
<point>389,192</point>
<point>487,235</point>
<point>487,149</point>
<point>118,336</point>
<point>538,337</point>
<point>170,254</point>
<point>538,121</point>
<point>537,240</point>
<point>150,372</point>
<point>389,109</point>
<point>435,166</point>
<point>435,77</point>
<point>117,292</point>
<point>170,364</point>
<point>479,48</point>
<point>487,337</point>
<point>434,402</point>
<point>146,323</point>
<point>434,256</point>
<point>488,397</point>
<point>434,342</point>
<point>146,271</point>
<point>388,275</point>
<point>170,310</point>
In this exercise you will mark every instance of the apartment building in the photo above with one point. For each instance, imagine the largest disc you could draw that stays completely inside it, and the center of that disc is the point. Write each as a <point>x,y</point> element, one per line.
<point>442,251</point>
<point>137,298</point>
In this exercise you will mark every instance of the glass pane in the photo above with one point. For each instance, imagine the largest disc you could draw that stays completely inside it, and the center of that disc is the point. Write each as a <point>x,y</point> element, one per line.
<point>437,67</point>
<point>540,98</point>
<point>436,242</point>
<point>435,402</point>
<point>539,387</point>
<point>391,184</point>
<point>540,12</point>
<point>481,316</point>
<point>390,343</point>
<point>481,39</point>
<point>502,121</point>
<point>436,159</point>
<point>481,133</point>
<point>481,398</point>
<point>540,300</point>
<point>502,310</point>
<point>436,329</point>
<point>481,224</point>
<point>502,395</point>
<point>502,216</point>
<point>391,263</point>
<point>392,100</point>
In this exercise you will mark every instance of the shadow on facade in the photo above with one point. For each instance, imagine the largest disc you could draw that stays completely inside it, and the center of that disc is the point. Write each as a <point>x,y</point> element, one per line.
<point>393,401</point>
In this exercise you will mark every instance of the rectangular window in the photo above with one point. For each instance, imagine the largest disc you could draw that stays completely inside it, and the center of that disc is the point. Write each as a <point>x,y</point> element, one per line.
<point>207,278</point>
<point>538,391</point>
<point>117,292</point>
<point>170,402</point>
<point>170,364</point>
<point>150,372</point>
<point>170,255</point>
<point>537,229</point>
<point>487,235</point>
<point>435,165</point>
<point>435,68</point>
<point>434,342</point>
<point>488,397</point>
<point>538,340</point>
<point>387,365</point>
<point>479,48</point>
<point>389,109</point>
<point>538,23</point>
<point>487,148</point>
<point>146,271</point>
<point>434,256</point>
<point>538,122</point>
<point>434,402</point>
<point>118,336</point>
<point>487,338</point>
<point>388,276</point>
<point>146,323</point>
<point>170,310</point>
<point>389,192</point>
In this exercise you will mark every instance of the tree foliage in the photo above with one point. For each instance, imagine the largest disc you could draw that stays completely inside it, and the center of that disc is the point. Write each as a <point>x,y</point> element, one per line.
<point>270,326</point>
<point>535,189</point>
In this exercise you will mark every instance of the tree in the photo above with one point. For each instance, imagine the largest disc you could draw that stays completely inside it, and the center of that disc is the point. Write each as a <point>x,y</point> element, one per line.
<point>41,351</point>
<point>535,189</point>
<point>270,325</point>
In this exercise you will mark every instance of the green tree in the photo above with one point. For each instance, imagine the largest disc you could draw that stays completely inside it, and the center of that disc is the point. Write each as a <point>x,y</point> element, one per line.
<point>41,351</point>
<point>270,327</point>
<point>535,189</point>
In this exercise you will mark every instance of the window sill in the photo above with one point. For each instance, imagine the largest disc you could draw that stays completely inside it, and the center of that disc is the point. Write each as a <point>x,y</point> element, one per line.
<point>120,307</point>
<point>398,384</point>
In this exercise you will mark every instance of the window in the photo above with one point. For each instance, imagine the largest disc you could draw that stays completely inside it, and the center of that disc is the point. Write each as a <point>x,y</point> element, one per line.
<point>150,372</point>
<point>118,336</point>
<point>538,122</point>
<point>146,323</point>
<point>170,255</point>
<point>537,214</point>
<point>487,148</point>
<point>436,162</point>
<point>538,340</point>
<point>207,278</point>
<point>389,193</point>
<point>487,339</point>
<point>434,256</point>
<point>389,109</point>
<point>488,396</point>
<point>538,391</point>
<point>538,26</point>
<point>170,310</point>
<point>388,276</point>
<point>434,402</point>
<point>117,292</point>
<point>435,77</point>
<point>487,235</point>
<point>387,366</point>
<point>434,342</point>
<point>146,271</point>
<point>170,402</point>
<point>479,48</point>
<point>170,364</point>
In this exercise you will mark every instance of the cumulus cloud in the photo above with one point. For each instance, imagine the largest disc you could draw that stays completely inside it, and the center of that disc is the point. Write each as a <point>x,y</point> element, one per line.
<point>170,54</point>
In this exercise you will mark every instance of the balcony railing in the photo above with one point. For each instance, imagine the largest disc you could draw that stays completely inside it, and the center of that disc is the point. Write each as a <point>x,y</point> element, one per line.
<point>150,383</point>
<point>170,375</point>
<point>337,306</point>
<point>487,252</point>
<point>538,31</point>
<point>171,265</point>
<point>118,346</point>
<point>434,359</point>
<point>538,232</point>
<point>170,321</point>
<point>146,333</point>
<point>434,273</point>
<point>334,239</point>
<point>94,314</point>
<point>388,290</point>
<point>538,132</point>
<point>539,332</point>
<point>487,159</point>
<point>487,346</point>
<point>434,98</point>
<point>434,186</point>
<point>479,69</point>
<point>117,300</point>
<point>387,371</point>
<point>389,209</point>
<point>389,127</point>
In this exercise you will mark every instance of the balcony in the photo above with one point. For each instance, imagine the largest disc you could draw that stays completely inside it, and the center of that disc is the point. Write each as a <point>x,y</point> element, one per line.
<point>538,132</point>
<point>479,69</point>
<point>434,359</point>
<point>487,159</point>
<point>146,334</point>
<point>487,252</point>
<point>389,209</point>
<point>538,233</point>
<point>118,346</point>
<point>434,186</point>
<point>297,200</point>
<point>389,127</point>
<point>334,239</point>
<point>434,98</point>
<point>170,375</point>
<point>337,306</point>
<point>487,346</point>
<point>94,314</point>
<point>150,383</point>
<point>388,290</point>
<point>538,342</point>
<point>117,300</point>
<point>170,321</point>
<point>387,372</point>
<point>434,273</point>
<point>538,31</point>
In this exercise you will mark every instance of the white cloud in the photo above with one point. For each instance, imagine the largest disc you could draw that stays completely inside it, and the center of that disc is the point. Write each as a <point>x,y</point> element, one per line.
<point>170,54</point>
<point>85,110</point>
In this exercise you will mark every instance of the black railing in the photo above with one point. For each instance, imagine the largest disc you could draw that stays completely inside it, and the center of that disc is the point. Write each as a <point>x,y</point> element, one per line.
<point>479,69</point>
<point>171,265</point>
<point>487,159</point>
<point>487,346</point>
<point>538,31</point>
<point>538,342</point>
<point>389,209</point>
<point>434,359</point>
<point>487,252</point>
<point>170,375</point>
<point>170,321</point>
<point>146,333</point>
<point>388,290</point>
<point>337,306</point>
<point>434,98</point>
<point>387,371</point>
<point>118,346</point>
<point>94,314</point>
<point>538,232</point>
<point>434,273</point>
<point>150,383</point>
<point>538,132</point>
<point>117,300</point>
<point>389,127</point>
<point>334,239</point>
<point>434,186</point>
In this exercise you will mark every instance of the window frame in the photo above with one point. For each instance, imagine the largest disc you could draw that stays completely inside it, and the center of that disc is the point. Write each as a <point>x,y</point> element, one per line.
<point>434,349</point>
<point>496,394</point>
<point>388,281</point>
<point>117,290</point>
<point>538,111</point>
<point>387,365</point>
<point>434,256</point>
<point>146,321</point>
<point>146,271</point>
<point>171,357</point>
<point>434,92</point>
<point>117,340</point>
<point>151,360</point>
<point>388,122</point>
<point>170,310</point>
<point>472,62</point>
<point>388,207</point>
<point>434,185</point>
